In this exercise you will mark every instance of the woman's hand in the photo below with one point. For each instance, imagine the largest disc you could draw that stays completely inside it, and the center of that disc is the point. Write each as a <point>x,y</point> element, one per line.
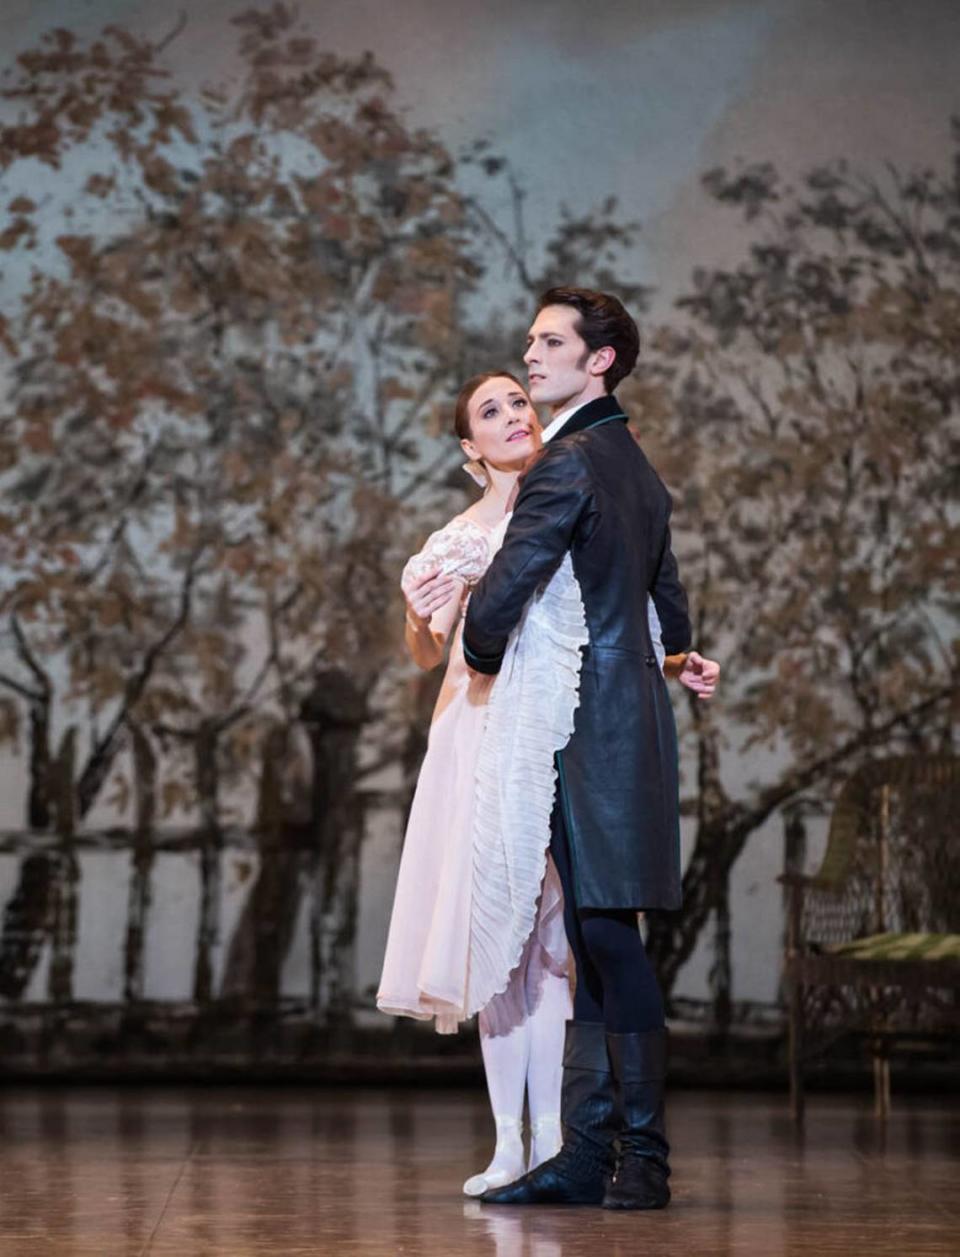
<point>699,674</point>
<point>428,594</point>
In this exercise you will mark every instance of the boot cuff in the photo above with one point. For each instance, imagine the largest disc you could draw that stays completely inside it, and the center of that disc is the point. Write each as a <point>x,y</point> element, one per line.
<point>586,1047</point>
<point>638,1057</point>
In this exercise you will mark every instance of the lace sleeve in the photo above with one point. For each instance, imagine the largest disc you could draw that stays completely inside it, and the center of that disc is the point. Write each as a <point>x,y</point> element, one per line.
<point>460,549</point>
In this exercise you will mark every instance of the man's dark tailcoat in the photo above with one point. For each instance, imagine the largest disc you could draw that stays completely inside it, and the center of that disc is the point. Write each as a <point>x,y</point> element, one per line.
<point>594,493</point>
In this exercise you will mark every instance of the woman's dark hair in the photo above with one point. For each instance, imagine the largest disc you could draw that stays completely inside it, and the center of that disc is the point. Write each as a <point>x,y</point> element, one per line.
<point>603,321</point>
<point>461,420</point>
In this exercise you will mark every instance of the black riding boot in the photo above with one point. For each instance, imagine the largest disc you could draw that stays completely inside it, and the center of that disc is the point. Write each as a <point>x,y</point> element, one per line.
<point>639,1066</point>
<point>577,1175</point>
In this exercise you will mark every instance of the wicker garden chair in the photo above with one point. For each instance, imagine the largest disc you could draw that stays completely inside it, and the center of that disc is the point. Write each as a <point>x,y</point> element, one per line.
<point>873,938</point>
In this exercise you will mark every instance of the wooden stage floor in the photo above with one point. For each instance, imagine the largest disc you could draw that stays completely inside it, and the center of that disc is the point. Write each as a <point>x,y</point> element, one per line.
<point>94,1172</point>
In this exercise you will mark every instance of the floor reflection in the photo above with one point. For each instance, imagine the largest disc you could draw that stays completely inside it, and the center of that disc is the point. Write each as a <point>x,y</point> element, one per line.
<point>100,1171</point>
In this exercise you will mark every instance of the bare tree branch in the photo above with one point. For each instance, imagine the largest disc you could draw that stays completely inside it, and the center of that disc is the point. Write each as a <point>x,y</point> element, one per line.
<point>100,759</point>
<point>177,30</point>
<point>29,658</point>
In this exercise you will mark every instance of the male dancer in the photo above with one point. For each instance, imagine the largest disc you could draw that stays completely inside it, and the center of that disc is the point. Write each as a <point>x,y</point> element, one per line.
<point>615,825</point>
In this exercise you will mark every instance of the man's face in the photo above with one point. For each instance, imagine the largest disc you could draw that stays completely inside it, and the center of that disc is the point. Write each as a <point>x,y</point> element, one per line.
<point>557,357</point>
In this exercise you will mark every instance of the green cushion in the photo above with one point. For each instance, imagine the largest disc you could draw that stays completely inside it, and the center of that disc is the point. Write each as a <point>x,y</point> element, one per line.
<point>900,947</point>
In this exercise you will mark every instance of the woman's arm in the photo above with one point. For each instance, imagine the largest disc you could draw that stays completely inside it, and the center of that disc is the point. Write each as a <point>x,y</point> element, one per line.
<point>433,608</point>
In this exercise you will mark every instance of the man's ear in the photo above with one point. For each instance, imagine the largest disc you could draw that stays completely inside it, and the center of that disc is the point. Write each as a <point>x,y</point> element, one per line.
<point>601,360</point>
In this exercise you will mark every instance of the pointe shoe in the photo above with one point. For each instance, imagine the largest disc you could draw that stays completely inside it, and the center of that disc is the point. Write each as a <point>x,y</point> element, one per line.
<point>546,1139</point>
<point>578,1174</point>
<point>507,1163</point>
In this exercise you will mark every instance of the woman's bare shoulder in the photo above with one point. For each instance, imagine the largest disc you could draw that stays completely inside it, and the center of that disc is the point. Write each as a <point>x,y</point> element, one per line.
<point>472,515</point>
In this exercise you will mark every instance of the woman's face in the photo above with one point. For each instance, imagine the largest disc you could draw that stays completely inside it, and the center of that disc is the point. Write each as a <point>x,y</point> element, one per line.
<point>504,429</point>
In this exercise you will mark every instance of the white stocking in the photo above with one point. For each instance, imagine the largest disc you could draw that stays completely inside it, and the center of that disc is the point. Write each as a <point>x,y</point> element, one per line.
<point>548,998</point>
<point>505,1043</point>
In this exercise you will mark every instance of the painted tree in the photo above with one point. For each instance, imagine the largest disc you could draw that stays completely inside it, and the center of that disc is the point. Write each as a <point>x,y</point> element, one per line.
<point>226,371</point>
<point>213,449</point>
<point>210,443</point>
<point>808,401</point>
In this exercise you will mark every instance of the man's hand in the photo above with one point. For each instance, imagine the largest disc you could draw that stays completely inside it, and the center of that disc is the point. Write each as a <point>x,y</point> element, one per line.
<point>699,674</point>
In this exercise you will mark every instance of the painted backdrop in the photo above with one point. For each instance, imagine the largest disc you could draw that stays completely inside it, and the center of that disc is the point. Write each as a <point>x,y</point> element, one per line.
<point>248,254</point>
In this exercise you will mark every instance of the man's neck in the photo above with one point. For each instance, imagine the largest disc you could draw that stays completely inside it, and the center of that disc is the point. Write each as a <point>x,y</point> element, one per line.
<point>595,389</point>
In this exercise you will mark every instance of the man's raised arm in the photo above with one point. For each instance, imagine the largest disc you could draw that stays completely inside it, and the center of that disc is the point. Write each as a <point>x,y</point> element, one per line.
<point>553,497</point>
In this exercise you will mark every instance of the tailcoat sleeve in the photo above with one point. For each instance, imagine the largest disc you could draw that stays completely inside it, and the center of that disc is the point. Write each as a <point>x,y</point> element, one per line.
<point>553,497</point>
<point>670,599</point>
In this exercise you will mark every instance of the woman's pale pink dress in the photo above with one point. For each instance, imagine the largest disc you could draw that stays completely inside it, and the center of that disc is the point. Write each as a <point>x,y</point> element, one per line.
<point>426,969</point>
